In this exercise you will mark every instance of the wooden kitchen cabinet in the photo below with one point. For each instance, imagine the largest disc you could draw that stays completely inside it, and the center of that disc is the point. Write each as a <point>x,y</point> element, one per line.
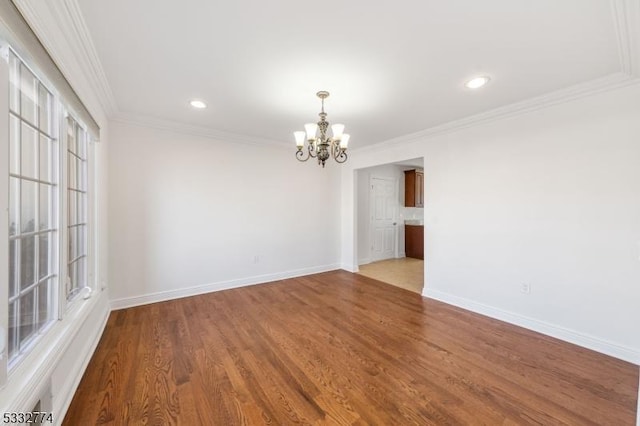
<point>414,241</point>
<point>413,188</point>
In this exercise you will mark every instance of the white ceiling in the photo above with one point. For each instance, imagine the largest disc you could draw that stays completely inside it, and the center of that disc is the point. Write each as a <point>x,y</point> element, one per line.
<point>392,68</point>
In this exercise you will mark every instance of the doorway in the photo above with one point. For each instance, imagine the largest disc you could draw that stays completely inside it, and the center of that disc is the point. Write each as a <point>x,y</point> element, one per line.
<point>380,225</point>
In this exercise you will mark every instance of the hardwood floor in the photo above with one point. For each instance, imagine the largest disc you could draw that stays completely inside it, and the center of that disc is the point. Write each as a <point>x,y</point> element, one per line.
<point>340,348</point>
<point>404,272</point>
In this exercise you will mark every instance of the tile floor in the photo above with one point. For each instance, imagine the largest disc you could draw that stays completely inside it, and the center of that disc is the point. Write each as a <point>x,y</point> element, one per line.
<point>405,272</point>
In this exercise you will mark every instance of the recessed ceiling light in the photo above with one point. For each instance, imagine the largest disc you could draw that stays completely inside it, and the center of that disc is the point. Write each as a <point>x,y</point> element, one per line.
<point>197,104</point>
<point>477,82</point>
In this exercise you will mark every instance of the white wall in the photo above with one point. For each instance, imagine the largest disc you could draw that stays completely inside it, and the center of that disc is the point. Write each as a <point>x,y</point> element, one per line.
<point>190,214</point>
<point>550,198</point>
<point>362,214</point>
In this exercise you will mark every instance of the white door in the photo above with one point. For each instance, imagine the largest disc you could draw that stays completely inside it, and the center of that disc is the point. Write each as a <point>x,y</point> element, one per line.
<point>384,200</point>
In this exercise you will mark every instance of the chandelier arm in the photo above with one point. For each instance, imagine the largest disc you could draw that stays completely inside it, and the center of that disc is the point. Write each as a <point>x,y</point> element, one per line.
<point>335,149</point>
<point>342,157</point>
<point>312,150</point>
<point>300,155</point>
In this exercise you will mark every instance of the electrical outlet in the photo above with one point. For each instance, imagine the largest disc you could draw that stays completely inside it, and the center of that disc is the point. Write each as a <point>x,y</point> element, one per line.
<point>525,288</point>
<point>256,259</point>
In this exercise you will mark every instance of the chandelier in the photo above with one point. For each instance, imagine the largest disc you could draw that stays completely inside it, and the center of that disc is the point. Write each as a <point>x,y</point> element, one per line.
<point>319,144</point>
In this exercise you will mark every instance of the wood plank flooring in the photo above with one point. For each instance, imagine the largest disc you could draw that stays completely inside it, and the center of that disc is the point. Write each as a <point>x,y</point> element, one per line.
<point>340,349</point>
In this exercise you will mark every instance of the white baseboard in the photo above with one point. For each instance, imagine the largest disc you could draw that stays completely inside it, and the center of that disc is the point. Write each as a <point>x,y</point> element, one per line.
<point>127,302</point>
<point>364,261</point>
<point>571,336</point>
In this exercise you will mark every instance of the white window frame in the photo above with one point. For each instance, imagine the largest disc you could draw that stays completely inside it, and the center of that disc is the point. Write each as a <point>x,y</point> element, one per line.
<point>61,307</point>
<point>67,300</point>
<point>54,229</point>
<point>4,212</point>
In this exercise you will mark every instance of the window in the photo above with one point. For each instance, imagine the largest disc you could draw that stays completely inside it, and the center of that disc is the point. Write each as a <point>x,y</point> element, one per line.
<point>77,184</point>
<point>48,193</point>
<point>33,207</point>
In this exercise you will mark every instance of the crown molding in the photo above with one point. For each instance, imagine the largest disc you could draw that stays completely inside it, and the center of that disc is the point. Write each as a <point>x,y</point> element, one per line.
<point>70,11</point>
<point>81,53</point>
<point>69,19</point>
<point>626,21</point>
<point>193,130</point>
<point>610,82</point>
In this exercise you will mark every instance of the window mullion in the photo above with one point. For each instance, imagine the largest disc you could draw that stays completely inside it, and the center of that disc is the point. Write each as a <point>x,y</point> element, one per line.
<point>63,219</point>
<point>91,219</point>
<point>36,239</point>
